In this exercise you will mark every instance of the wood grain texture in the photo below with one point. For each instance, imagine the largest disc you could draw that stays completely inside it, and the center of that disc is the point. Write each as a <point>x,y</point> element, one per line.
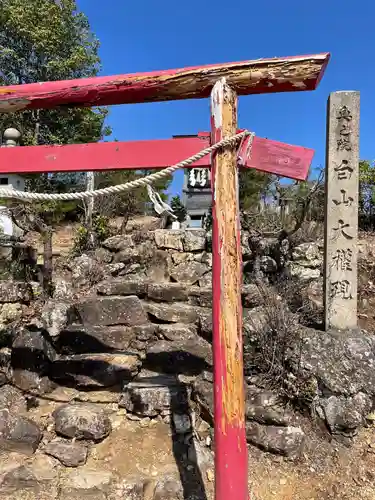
<point>265,155</point>
<point>246,77</point>
<point>229,396</point>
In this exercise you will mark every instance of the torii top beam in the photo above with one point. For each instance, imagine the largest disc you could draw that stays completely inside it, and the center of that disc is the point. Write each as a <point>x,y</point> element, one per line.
<point>247,77</point>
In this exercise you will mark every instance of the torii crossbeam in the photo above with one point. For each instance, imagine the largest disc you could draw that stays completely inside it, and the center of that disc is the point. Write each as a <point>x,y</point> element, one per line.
<point>223,82</point>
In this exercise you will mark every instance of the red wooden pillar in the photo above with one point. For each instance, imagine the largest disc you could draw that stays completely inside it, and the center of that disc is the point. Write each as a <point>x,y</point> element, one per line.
<point>229,397</point>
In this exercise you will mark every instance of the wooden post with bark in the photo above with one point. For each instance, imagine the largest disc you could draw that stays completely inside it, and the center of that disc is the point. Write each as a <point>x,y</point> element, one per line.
<point>229,397</point>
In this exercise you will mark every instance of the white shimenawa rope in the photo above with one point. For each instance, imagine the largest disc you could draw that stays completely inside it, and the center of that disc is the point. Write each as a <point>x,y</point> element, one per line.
<point>144,181</point>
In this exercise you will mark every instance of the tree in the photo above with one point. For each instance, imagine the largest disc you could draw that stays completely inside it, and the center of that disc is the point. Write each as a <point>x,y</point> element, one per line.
<point>178,208</point>
<point>49,40</point>
<point>366,195</point>
<point>252,186</point>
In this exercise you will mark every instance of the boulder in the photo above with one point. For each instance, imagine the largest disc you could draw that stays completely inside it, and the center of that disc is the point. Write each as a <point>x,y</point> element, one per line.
<point>82,421</point>
<point>103,256</point>
<point>152,394</point>
<point>295,270</point>
<point>194,240</point>
<point>189,273</point>
<point>190,356</point>
<point>96,369</point>
<point>177,331</point>
<point>15,291</point>
<point>134,255</point>
<point>172,313</point>
<point>157,267</point>
<point>345,415</point>
<point>32,350</point>
<point>167,292</point>
<point>31,382</point>
<point>18,433</point>
<point>203,395</point>
<point>86,484</point>
<point>10,312</point>
<point>169,239</point>
<point>62,289</point>
<point>287,441</point>
<point>265,407</point>
<point>308,255</point>
<point>55,316</point>
<point>205,281</point>
<point>13,400</point>
<point>204,322</point>
<point>123,286</point>
<point>119,242</point>
<point>86,271</point>
<point>68,453</point>
<point>199,296</point>
<point>79,339</point>
<point>251,296</point>
<point>114,310</point>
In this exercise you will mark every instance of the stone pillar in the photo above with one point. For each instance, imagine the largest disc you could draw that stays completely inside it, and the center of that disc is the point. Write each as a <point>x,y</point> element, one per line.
<point>341,211</point>
<point>11,137</point>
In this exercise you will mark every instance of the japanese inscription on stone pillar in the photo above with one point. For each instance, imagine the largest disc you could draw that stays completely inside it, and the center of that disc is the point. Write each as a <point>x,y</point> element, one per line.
<point>341,214</point>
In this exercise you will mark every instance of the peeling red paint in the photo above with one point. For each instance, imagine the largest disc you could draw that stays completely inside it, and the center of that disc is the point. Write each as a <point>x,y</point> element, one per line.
<point>260,76</point>
<point>229,398</point>
<point>265,155</point>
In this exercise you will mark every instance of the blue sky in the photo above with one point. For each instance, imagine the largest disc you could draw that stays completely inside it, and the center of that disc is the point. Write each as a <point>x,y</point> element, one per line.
<point>150,35</point>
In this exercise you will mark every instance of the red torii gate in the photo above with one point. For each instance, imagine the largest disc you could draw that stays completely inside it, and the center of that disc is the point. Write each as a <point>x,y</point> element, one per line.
<point>223,82</point>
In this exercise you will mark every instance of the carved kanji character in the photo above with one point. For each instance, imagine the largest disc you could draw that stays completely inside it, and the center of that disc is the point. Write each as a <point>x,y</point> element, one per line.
<point>343,259</point>
<point>342,228</point>
<point>347,201</point>
<point>344,170</point>
<point>341,289</point>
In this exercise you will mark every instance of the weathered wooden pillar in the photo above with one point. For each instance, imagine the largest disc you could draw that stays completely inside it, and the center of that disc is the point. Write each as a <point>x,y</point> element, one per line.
<point>341,211</point>
<point>229,397</point>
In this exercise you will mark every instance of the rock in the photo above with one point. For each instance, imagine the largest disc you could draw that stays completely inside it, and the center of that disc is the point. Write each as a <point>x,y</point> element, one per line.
<point>28,480</point>
<point>190,356</point>
<point>18,433</point>
<point>86,271</point>
<point>254,320</point>
<point>181,257</point>
<point>286,441</point>
<point>206,281</point>
<point>194,241</point>
<point>152,394</point>
<point>157,267</point>
<point>345,415</point>
<point>62,290</point>
<point>172,313</point>
<point>96,369</point>
<point>203,395</point>
<point>251,296</point>
<point>10,312</point>
<point>168,488</point>
<point>86,484</point>
<point>199,296</point>
<point>82,421</point>
<point>78,494</point>
<point>177,331</point>
<point>342,362</point>
<point>169,239</point>
<point>120,242</point>
<point>181,423</point>
<point>123,286</point>
<point>33,351</point>
<point>15,291</point>
<point>55,314</point>
<point>103,256</point>
<point>32,382</point>
<point>114,310</point>
<point>295,270</point>
<point>268,264</point>
<point>79,339</point>
<point>308,255</point>
<point>205,322</point>
<point>189,273</point>
<point>167,292</point>
<point>115,269</point>
<point>68,453</point>
<point>13,400</point>
<point>265,407</point>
